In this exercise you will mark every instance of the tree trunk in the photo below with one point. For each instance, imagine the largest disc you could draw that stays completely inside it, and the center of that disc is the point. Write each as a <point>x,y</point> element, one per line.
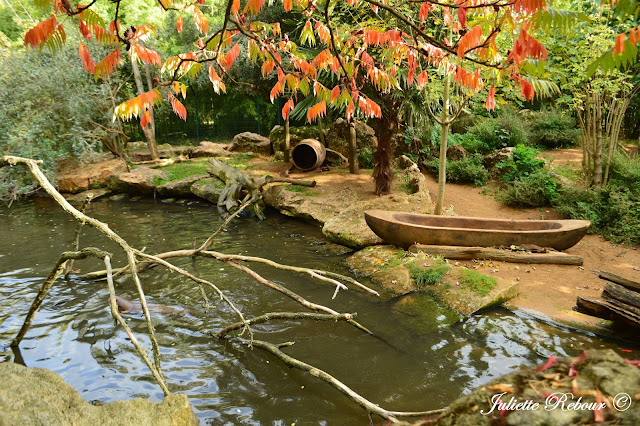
<point>323,136</point>
<point>151,139</point>
<point>353,150</point>
<point>152,122</point>
<point>445,123</point>
<point>287,141</point>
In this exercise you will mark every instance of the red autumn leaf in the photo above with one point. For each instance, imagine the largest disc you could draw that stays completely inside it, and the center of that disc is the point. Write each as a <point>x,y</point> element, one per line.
<point>572,371</point>
<point>470,40</point>
<point>424,10</point>
<point>88,63</point>
<point>549,363</point>
<point>490,104</point>
<point>84,29</point>
<point>177,106</point>
<point>37,35</point>
<point>335,93</point>
<point>422,79</point>
<point>113,26</point>
<point>635,362</point>
<point>179,23</point>
<point>626,350</point>
<point>218,84</point>
<point>147,56</point>
<point>462,15</point>
<point>618,48</point>
<point>230,57</point>
<point>527,91</point>
<point>146,119</point>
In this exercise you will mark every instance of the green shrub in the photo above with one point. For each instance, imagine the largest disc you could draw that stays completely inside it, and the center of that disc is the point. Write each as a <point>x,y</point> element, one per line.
<point>431,275</point>
<point>464,171</point>
<point>625,171</point>
<point>477,281</point>
<point>365,158</point>
<point>614,211</point>
<point>537,189</point>
<point>523,163</point>
<point>553,129</point>
<point>508,129</point>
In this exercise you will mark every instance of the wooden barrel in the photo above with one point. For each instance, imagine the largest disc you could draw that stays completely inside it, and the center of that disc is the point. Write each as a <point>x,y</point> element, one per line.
<point>309,154</point>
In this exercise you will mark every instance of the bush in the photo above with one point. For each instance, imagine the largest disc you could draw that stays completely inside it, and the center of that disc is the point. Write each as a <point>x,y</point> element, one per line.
<point>614,211</point>
<point>465,171</point>
<point>365,158</point>
<point>534,190</point>
<point>625,171</point>
<point>523,163</point>
<point>553,129</point>
<point>508,129</point>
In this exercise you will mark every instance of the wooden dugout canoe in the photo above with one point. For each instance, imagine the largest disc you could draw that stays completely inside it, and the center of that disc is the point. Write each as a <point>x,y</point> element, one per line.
<point>404,229</point>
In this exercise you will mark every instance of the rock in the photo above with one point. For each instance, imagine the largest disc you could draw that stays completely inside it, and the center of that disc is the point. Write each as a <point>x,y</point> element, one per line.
<point>140,180</point>
<point>93,193</point>
<point>251,142</point>
<point>164,151</point>
<point>307,207</point>
<point>422,314</point>
<point>73,177</point>
<point>410,172</point>
<point>349,227</point>
<point>493,158</point>
<point>334,158</point>
<point>296,134</point>
<point>38,396</point>
<point>601,369</point>
<point>120,197</point>
<point>466,119</point>
<point>208,189</point>
<point>210,149</point>
<point>392,269</point>
<point>338,135</point>
<point>180,188</point>
<point>331,249</point>
<point>456,152</point>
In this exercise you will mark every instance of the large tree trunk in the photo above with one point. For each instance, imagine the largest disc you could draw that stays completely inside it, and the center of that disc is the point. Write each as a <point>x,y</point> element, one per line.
<point>151,138</point>
<point>385,128</point>
<point>287,141</point>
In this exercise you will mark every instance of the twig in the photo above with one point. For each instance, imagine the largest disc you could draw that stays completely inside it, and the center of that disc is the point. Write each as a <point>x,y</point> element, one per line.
<point>286,316</point>
<point>76,244</point>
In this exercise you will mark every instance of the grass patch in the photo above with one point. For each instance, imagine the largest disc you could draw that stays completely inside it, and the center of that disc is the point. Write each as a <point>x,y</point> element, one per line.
<point>477,282</point>
<point>182,170</point>
<point>430,275</point>
<point>238,161</point>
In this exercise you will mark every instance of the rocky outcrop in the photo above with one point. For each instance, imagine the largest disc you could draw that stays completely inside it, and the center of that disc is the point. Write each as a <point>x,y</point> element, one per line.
<point>570,380</point>
<point>410,172</point>
<point>140,180</point>
<point>338,135</point>
<point>491,160</point>
<point>456,152</point>
<point>164,151</point>
<point>210,149</point>
<point>251,142</point>
<point>208,189</point>
<point>310,208</point>
<point>398,273</point>
<point>73,177</point>
<point>38,396</point>
<point>349,228</point>
<point>180,188</point>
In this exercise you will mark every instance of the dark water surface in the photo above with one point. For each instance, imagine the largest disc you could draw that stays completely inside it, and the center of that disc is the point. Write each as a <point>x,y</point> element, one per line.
<point>425,365</point>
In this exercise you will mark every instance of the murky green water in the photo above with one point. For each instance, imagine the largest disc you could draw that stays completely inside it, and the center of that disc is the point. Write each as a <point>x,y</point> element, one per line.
<point>424,365</point>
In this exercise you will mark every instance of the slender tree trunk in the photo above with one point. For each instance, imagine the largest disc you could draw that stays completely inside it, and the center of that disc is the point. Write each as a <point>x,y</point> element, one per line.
<point>152,123</point>
<point>445,123</point>
<point>151,139</point>
<point>598,149</point>
<point>354,169</point>
<point>323,138</point>
<point>287,140</point>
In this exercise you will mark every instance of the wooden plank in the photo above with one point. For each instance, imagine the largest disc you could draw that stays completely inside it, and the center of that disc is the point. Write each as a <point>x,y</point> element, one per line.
<point>600,309</point>
<point>616,291</point>
<point>614,278</point>
<point>620,304</point>
<point>467,253</point>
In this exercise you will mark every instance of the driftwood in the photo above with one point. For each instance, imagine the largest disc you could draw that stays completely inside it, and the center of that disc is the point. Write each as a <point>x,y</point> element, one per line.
<point>630,284</point>
<point>468,253</point>
<point>616,291</point>
<point>605,310</point>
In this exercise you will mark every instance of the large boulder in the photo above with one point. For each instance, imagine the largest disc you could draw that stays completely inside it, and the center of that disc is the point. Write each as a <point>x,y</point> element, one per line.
<point>308,207</point>
<point>73,177</point>
<point>411,174</point>
<point>141,180</point>
<point>492,159</point>
<point>338,135</point>
<point>349,227</point>
<point>34,396</point>
<point>456,152</point>
<point>180,188</point>
<point>210,149</point>
<point>296,134</point>
<point>208,188</point>
<point>251,142</point>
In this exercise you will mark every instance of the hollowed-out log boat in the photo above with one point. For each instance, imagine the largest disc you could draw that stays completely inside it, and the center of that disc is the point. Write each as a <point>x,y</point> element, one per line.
<point>404,229</point>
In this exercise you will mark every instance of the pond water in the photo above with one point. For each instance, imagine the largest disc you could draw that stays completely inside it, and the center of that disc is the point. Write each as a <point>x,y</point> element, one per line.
<point>418,363</point>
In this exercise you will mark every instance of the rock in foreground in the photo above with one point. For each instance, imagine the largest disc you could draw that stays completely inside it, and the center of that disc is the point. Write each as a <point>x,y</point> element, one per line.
<point>38,396</point>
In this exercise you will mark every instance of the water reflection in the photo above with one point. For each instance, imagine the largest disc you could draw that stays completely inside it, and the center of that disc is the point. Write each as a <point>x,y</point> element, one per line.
<point>419,362</point>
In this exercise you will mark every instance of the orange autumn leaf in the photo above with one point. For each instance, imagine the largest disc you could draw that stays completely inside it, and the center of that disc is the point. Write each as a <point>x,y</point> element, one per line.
<point>230,57</point>
<point>470,40</point>
<point>179,23</point>
<point>490,104</point>
<point>201,21</point>
<point>335,93</point>
<point>177,106</point>
<point>218,84</point>
<point>424,10</point>
<point>88,63</point>
<point>527,92</point>
<point>618,47</point>
<point>235,7</point>
<point>107,66</point>
<point>136,106</point>
<point>146,119</point>
<point>287,108</point>
<point>318,110</point>
<point>288,5</point>
<point>37,35</point>
<point>147,56</point>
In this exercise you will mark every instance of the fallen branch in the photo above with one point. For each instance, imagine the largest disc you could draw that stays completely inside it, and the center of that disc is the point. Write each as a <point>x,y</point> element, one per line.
<point>468,253</point>
<point>625,282</point>
<point>285,316</point>
<point>309,183</point>
<point>369,406</point>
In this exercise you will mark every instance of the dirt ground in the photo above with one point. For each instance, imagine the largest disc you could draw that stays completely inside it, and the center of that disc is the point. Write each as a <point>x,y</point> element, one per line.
<point>550,290</point>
